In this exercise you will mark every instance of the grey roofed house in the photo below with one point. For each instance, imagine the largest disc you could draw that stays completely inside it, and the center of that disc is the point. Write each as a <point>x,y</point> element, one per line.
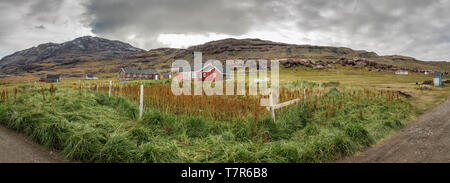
<point>91,77</point>
<point>137,71</point>
<point>52,76</point>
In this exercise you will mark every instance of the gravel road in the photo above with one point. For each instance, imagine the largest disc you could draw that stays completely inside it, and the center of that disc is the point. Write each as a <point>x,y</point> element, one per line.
<point>425,140</point>
<point>17,148</point>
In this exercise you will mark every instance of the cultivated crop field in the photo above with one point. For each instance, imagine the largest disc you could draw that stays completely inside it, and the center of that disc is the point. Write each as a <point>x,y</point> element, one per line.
<point>83,123</point>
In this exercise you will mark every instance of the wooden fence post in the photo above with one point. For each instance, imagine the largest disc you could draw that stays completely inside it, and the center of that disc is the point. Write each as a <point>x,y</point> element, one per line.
<point>110,85</point>
<point>141,102</point>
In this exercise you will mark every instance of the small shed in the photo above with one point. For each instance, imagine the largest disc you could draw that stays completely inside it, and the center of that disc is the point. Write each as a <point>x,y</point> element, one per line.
<point>401,72</point>
<point>166,75</point>
<point>91,77</point>
<point>437,78</point>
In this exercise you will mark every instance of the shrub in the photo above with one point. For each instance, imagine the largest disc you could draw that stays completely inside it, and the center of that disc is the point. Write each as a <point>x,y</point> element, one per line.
<point>117,149</point>
<point>152,117</point>
<point>159,150</point>
<point>140,134</point>
<point>84,145</point>
<point>195,127</point>
<point>357,133</point>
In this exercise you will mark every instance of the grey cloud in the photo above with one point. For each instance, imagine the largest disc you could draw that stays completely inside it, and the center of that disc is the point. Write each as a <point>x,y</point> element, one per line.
<point>151,18</point>
<point>39,27</point>
<point>27,23</point>
<point>411,27</point>
<point>401,26</point>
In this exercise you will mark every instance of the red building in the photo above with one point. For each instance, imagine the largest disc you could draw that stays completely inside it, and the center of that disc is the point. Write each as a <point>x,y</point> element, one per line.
<point>209,72</point>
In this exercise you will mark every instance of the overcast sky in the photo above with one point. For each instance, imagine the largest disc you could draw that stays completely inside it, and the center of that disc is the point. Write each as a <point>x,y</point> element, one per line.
<point>418,28</point>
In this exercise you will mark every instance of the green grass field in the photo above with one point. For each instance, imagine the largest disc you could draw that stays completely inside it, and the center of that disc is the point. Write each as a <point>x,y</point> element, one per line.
<point>356,111</point>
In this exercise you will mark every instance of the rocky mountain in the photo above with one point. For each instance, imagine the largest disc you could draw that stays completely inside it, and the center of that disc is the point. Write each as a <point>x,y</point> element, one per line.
<point>102,56</point>
<point>310,56</point>
<point>51,54</point>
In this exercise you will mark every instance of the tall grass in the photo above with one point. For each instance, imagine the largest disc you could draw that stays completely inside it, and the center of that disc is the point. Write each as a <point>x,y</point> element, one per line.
<point>92,127</point>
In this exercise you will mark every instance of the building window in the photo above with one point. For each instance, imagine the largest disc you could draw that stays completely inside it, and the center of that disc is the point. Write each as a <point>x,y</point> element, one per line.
<point>204,74</point>
<point>128,75</point>
<point>194,75</point>
<point>214,75</point>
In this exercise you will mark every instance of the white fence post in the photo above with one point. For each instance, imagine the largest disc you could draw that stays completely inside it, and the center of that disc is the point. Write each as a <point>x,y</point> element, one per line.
<point>272,110</point>
<point>110,85</point>
<point>304,94</point>
<point>141,102</point>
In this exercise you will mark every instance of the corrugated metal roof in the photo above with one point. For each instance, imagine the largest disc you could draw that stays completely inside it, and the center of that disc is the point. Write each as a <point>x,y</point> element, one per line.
<point>208,67</point>
<point>51,76</point>
<point>136,71</point>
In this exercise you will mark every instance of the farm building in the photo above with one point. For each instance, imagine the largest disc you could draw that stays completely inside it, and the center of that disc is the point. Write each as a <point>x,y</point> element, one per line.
<point>437,78</point>
<point>401,72</point>
<point>138,74</point>
<point>209,72</point>
<point>166,75</point>
<point>90,77</point>
<point>50,78</point>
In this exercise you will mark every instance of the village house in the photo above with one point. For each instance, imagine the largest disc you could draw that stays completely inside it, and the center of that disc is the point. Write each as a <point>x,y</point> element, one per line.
<point>166,75</point>
<point>209,72</point>
<point>401,72</point>
<point>91,77</point>
<point>51,78</point>
<point>138,74</point>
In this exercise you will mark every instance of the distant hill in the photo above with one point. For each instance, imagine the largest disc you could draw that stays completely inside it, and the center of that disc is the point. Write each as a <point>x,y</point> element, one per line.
<point>51,55</point>
<point>102,56</point>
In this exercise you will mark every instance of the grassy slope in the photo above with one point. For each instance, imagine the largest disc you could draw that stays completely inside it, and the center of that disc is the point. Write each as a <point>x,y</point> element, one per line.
<point>421,100</point>
<point>94,128</point>
<point>91,127</point>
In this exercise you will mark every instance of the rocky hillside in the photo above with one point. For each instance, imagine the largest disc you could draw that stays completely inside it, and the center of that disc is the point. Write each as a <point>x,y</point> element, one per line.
<point>52,55</point>
<point>315,57</point>
<point>102,56</point>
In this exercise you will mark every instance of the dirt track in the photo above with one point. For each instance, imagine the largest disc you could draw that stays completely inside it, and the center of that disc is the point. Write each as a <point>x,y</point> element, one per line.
<point>16,148</point>
<point>425,140</point>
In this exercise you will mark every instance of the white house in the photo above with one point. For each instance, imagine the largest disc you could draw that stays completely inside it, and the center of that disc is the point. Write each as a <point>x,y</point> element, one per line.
<point>401,72</point>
